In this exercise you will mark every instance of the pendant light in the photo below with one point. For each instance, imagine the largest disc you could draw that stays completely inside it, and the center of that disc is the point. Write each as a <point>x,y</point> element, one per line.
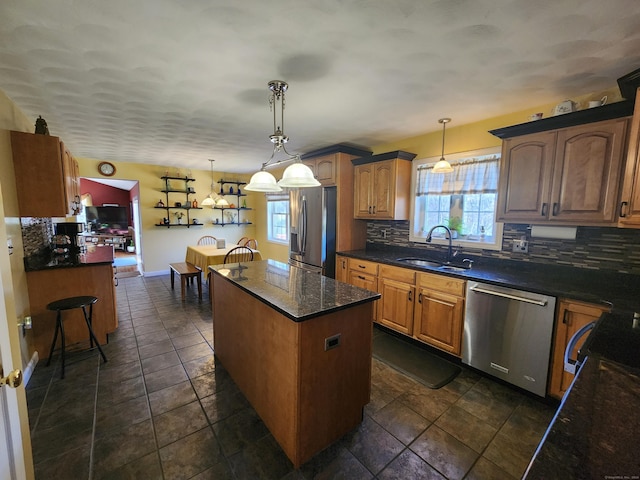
<point>443,166</point>
<point>296,175</point>
<point>213,198</point>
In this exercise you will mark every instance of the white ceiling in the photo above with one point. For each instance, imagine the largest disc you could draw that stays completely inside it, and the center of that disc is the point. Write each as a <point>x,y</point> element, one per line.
<point>175,83</point>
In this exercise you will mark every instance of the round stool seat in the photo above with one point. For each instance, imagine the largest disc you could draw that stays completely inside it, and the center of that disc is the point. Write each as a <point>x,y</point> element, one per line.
<point>72,302</point>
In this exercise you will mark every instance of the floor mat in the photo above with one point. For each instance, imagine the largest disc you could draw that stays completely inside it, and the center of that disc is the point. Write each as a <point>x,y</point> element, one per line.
<point>124,261</point>
<point>427,368</point>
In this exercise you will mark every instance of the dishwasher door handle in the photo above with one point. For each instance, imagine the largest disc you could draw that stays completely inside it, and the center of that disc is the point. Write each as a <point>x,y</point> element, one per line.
<point>541,303</point>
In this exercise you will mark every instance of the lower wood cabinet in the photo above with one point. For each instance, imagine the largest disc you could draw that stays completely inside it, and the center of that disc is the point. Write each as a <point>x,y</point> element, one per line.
<point>572,315</point>
<point>364,274</point>
<point>439,312</point>
<point>395,308</point>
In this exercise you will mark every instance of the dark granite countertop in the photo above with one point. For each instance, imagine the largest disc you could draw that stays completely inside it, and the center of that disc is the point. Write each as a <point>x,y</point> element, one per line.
<point>596,427</point>
<point>296,293</point>
<point>94,255</point>
<point>620,290</point>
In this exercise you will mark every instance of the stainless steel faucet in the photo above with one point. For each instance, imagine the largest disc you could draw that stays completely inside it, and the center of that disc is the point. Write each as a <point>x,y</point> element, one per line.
<point>449,252</point>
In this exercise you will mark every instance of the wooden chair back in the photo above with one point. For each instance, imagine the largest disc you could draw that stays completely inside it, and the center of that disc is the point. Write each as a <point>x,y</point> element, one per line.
<point>239,254</point>
<point>252,243</point>
<point>207,240</point>
<point>242,241</point>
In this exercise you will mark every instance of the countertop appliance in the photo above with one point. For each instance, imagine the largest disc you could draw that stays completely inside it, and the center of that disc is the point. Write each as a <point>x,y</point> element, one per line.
<point>312,245</point>
<point>68,238</point>
<point>507,333</point>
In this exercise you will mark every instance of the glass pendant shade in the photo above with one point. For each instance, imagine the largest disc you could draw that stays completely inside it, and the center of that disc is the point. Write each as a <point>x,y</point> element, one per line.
<point>298,175</point>
<point>208,202</point>
<point>442,167</point>
<point>263,182</point>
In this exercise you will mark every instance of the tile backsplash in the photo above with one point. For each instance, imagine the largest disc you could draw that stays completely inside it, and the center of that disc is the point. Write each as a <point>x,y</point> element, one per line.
<point>599,248</point>
<point>36,234</point>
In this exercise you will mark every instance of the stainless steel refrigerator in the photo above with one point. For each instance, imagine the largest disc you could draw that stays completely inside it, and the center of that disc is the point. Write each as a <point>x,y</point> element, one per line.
<point>312,244</point>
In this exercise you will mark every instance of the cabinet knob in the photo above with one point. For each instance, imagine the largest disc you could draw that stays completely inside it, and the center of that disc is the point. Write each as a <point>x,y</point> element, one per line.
<point>410,296</point>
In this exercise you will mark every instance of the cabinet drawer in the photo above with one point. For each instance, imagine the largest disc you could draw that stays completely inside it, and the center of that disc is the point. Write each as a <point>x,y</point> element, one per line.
<point>363,266</point>
<point>398,273</point>
<point>442,283</point>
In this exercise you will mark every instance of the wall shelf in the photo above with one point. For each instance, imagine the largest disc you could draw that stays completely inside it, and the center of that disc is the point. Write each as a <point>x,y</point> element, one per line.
<point>170,210</point>
<point>237,208</point>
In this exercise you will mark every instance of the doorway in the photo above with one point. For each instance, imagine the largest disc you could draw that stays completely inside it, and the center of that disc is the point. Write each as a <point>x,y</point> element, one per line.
<point>100,194</point>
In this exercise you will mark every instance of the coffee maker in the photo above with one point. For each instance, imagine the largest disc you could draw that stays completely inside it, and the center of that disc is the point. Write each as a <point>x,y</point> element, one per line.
<point>68,239</point>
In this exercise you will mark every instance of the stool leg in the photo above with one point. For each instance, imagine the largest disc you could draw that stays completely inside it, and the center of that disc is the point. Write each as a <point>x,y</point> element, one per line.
<point>64,347</point>
<point>172,281</point>
<point>199,280</point>
<point>91,334</point>
<point>55,337</point>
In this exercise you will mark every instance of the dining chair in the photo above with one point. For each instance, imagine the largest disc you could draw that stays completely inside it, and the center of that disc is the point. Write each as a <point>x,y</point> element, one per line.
<point>242,241</point>
<point>251,243</point>
<point>207,240</point>
<point>239,254</point>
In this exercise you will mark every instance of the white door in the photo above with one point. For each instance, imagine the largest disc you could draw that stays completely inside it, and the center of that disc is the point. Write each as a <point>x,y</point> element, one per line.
<point>16,461</point>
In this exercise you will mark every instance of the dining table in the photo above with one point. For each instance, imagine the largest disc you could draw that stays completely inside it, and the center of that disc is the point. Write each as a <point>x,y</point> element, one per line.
<point>204,255</point>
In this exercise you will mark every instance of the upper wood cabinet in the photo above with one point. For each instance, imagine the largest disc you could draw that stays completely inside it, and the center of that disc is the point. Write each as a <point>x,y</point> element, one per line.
<point>630,198</point>
<point>568,176</point>
<point>46,176</point>
<point>572,316</point>
<point>323,168</point>
<point>382,186</point>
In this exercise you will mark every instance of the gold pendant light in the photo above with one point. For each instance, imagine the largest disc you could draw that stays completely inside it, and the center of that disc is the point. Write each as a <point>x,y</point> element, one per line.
<point>443,166</point>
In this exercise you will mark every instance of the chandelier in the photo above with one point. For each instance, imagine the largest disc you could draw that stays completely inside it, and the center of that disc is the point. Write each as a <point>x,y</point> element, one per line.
<point>296,175</point>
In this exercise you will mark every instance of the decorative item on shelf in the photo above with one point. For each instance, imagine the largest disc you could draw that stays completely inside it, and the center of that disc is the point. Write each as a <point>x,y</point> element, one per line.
<point>230,190</point>
<point>187,204</point>
<point>160,204</point>
<point>194,203</point>
<point>191,190</point>
<point>239,191</point>
<point>565,107</point>
<point>177,205</point>
<point>165,221</point>
<point>296,175</point>
<point>195,221</point>
<point>179,216</point>
<point>216,221</point>
<point>598,103</point>
<point>41,126</point>
<point>443,166</point>
<point>244,203</point>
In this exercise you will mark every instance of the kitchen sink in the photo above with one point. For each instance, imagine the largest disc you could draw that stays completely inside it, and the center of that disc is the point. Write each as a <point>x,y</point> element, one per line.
<point>419,262</point>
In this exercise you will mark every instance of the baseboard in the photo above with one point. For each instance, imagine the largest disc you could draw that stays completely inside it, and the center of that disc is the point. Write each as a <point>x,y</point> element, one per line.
<point>155,274</point>
<point>31,366</point>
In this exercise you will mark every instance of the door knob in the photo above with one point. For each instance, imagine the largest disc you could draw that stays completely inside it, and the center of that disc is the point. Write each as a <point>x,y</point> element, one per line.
<point>14,379</point>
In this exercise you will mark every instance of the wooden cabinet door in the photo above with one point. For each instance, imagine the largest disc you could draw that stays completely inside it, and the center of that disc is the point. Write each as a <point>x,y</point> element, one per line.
<point>71,180</point>
<point>438,320</point>
<point>629,209</point>
<point>395,309</point>
<point>383,189</point>
<point>366,281</point>
<point>587,172</point>
<point>39,175</point>
<point>326,170</point>
<point>363,181</point>
<point>571,317</point>
<point>525,173</point>
<point>342,269</point>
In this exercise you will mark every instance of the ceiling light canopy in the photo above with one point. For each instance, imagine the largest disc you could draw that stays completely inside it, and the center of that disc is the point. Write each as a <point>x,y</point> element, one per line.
<point>297,175</point>
<point>443,166</point>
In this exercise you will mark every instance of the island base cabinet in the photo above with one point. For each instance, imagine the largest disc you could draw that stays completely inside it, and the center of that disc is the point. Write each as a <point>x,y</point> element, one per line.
<point>46,286</point>
<point>308,396</point>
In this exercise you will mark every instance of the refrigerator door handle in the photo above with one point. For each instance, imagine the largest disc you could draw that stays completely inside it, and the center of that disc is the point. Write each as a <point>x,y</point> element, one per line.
<point>302,238</point>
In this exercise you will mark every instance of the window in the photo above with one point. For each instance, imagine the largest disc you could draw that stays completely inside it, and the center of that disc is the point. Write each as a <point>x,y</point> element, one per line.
<point>278,218</point>
<point>463,200</point>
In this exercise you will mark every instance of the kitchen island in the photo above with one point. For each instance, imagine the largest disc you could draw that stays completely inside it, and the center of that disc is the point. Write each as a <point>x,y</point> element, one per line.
<point>298,345</point>
<point>52,277</point>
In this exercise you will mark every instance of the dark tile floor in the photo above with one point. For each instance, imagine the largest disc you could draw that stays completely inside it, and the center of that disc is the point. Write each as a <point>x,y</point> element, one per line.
<point>163,408</point>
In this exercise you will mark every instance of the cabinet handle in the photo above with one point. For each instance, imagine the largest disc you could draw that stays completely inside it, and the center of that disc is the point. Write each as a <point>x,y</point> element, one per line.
<point>554,212</point>
<point>622,205</point>
<point>344,265</point>
<point>362,266</point>
<point>565,317</point>
<point>374,209</point>
<point>410,296</point>
<point>544,210</point>
<point>369,208</point>
<point>419,298</point>
<point>361,277</point>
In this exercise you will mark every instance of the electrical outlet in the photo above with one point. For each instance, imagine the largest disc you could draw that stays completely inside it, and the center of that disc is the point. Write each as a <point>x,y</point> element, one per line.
<point>521,246</point>
<point>384,234</point>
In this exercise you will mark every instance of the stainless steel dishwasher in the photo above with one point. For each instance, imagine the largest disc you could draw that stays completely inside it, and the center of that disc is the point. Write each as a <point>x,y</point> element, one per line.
<point>507,333</point>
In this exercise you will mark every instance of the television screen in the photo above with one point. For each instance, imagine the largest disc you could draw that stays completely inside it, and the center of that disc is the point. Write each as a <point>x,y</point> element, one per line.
<point>110,220</point>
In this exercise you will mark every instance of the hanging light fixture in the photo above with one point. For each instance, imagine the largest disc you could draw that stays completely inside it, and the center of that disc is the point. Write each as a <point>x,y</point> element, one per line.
<point>443,166</point>
<point>213,198</point>
<point>296,175</point>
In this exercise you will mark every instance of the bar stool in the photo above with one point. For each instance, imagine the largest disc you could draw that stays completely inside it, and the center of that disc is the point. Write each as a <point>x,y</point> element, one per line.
<point>69,304</point>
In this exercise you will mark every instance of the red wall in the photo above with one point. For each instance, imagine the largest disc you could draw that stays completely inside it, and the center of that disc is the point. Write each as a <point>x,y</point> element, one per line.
<point>101,193</point>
